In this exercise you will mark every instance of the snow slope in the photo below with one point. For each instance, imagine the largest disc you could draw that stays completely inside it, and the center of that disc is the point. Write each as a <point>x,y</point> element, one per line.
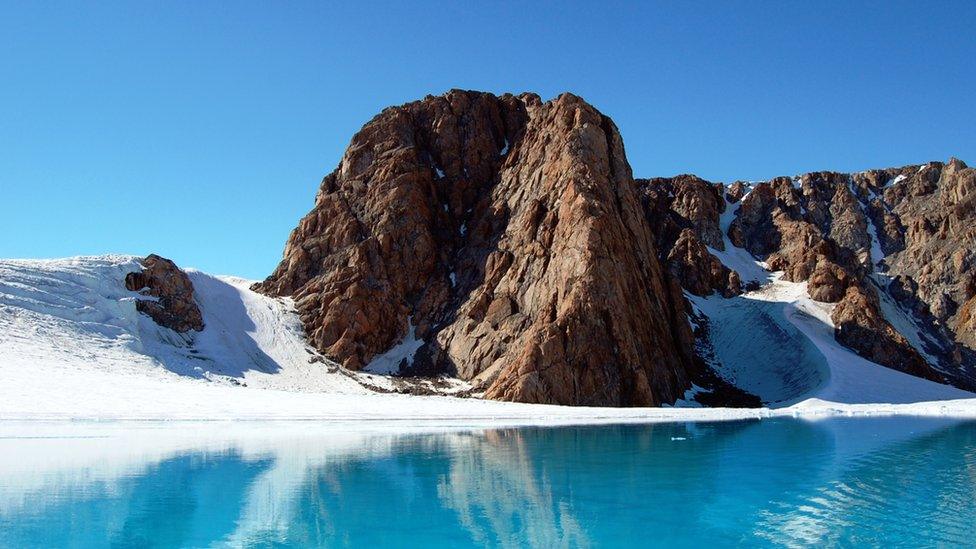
<point>779,344</point>
<point>72,346</point>
<point>75,315</point>
<point>759,349</point>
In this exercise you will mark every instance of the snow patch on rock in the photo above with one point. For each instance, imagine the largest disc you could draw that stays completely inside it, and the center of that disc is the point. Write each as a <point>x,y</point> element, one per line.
<point>738,259</point>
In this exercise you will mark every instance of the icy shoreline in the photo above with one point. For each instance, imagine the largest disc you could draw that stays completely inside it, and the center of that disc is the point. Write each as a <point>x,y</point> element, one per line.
<point>407,411</point>
<point>73,348</point>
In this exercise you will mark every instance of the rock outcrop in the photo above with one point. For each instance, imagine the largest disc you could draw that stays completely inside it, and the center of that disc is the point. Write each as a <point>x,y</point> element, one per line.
<point>965,326</point>
<point>698,271</point>
<point>173,306</point>
<point>508,235</point>
<point>692,202</point>
<point>929,241</point>
<point>860,326</point>
<point>795,227</point>
<point>683,213</point>
<point>506,239</point>
<point>910,231</point>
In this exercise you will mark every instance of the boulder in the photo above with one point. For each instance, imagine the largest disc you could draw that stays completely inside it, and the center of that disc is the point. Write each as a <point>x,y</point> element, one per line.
<point>700,272</point>
<point>173,306</point>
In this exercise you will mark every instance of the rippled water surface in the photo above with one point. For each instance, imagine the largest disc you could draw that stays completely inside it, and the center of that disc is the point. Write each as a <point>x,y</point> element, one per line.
<point>907,481</point>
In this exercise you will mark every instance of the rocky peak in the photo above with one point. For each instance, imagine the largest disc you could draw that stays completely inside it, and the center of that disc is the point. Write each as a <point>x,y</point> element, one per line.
<point>174,306</point>
<point>736,191</point>
<point>508,234</point>
<point>509,238</point>
<point>695,203</point>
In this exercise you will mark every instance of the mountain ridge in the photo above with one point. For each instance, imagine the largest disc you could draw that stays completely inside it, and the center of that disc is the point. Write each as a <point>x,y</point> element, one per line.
<point>500,247</point>
<point>479,158</point>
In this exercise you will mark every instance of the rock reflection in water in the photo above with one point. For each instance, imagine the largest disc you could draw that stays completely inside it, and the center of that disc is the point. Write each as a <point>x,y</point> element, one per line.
<point>874,481</point>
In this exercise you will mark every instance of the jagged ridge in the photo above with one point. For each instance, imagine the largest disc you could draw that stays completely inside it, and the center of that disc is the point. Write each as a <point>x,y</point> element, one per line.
<point>505,232</point>
<point>507,237</point>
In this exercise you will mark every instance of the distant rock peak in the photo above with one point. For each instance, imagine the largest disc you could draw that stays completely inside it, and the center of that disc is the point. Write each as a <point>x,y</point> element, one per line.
<point>908,233</point>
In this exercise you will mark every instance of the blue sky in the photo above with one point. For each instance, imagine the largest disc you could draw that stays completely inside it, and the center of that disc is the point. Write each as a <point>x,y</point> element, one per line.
<point>200,130</point>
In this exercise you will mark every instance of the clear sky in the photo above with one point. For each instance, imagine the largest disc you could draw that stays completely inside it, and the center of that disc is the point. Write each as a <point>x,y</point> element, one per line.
<point>200,130</point>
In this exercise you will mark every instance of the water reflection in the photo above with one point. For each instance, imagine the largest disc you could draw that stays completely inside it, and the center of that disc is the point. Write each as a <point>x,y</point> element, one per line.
<point>781,482</point>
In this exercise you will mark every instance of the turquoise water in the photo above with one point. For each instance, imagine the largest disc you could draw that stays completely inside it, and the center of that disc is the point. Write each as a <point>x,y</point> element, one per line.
<point>885,481</point>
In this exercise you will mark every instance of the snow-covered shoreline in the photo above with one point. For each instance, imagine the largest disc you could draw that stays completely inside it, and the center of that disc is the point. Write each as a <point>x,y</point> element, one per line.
<point>211,403</point>
<point>73,348</point>
<point>446,414</point>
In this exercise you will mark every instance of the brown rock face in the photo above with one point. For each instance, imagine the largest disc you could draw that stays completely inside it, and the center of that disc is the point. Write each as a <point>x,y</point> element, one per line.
<point>859,325</point>
<point>735,192</point>
<point>700,272</point>
<point>174,307</point>
<point>818,228</point>
<point>931,262</point>
<point>509,232</point>
<point>796,226</point>
<point>935,205</point>
<point>694,203</point>
<point>683,213</point>
<point>965,328</point>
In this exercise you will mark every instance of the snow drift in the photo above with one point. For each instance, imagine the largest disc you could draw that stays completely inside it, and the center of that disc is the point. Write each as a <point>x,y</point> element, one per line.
<point>72,345</point>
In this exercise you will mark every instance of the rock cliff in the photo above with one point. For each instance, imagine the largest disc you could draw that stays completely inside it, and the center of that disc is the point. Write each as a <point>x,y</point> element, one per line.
<point>904,236</point>
<point>505,233</point>
<point>504,240</point>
